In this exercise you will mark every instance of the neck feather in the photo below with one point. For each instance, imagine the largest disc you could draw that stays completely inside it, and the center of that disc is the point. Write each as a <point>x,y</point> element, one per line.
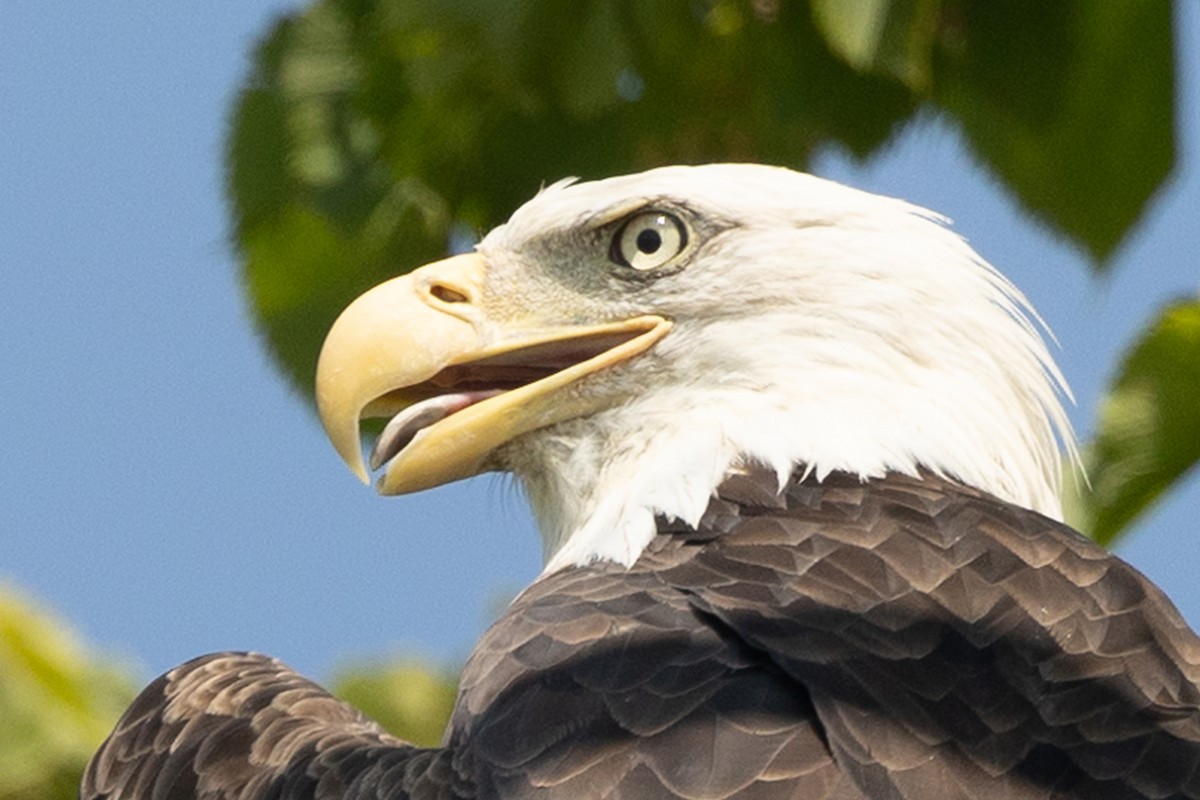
<point>807,403</point>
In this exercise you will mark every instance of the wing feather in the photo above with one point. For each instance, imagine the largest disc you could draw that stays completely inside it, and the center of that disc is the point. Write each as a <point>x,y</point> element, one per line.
<point>241,726</point>
<point>956,646</point>
<point>604,682</point>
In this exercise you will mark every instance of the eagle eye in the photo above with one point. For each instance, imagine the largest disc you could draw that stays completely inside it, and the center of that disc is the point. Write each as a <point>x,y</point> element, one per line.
<point>648,240</point>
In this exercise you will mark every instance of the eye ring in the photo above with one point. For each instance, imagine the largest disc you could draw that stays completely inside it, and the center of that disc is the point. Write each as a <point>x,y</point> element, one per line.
<point>648,239</point>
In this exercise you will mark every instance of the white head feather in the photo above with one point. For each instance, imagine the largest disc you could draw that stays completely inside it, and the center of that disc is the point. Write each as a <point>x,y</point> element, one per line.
<point>822,328</point>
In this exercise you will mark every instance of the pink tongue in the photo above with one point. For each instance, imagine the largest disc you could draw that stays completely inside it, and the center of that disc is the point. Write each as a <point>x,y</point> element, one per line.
<point>408,423</point>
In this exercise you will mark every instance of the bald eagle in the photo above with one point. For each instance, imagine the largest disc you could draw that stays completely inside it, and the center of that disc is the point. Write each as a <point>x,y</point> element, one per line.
<point>794,451</point>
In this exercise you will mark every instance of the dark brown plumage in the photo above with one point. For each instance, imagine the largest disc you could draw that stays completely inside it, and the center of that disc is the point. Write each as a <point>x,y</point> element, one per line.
<point>900,638</point>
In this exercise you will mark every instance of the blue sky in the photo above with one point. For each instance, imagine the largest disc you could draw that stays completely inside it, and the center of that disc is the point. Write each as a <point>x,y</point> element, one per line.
<point>163,490</point>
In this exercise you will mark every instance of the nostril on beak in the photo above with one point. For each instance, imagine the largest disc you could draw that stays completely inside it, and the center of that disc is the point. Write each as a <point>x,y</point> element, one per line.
<point>447,294</point>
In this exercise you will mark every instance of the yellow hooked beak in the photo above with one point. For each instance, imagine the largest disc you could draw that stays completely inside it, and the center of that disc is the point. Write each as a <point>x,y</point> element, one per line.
<point>458,384</point>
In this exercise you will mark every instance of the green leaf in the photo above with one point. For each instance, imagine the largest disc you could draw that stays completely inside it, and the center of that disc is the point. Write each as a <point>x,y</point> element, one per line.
<point>1148,435</point>
<point>886,37</point>
<point>409,700</point>
<point>1070,102</point>
<point>370,133</point>
<point>56,703</point>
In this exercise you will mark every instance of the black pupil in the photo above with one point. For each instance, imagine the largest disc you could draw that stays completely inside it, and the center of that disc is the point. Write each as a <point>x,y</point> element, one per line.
<point>648,241</point>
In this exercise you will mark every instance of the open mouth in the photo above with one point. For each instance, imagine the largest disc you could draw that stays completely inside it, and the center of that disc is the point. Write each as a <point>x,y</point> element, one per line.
<point>453,383</point>
<point>461,386</point>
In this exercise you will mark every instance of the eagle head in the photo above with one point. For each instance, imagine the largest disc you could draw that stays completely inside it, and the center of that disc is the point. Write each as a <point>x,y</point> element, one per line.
<point>624,345</point>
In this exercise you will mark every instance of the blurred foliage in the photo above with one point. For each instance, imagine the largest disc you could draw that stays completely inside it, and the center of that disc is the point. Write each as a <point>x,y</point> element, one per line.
<point>1148,435</point>
<point>1071,104</point>
<point>372,133</point>
<point>410,700</point>
<point>57,703</point>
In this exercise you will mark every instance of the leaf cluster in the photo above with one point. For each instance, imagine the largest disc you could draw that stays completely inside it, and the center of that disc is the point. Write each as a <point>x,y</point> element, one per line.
<point>374,135</point>
<point>57,703</point>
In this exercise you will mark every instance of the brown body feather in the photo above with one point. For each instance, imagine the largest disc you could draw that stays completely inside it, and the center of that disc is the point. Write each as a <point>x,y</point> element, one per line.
<point>900,638</point>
